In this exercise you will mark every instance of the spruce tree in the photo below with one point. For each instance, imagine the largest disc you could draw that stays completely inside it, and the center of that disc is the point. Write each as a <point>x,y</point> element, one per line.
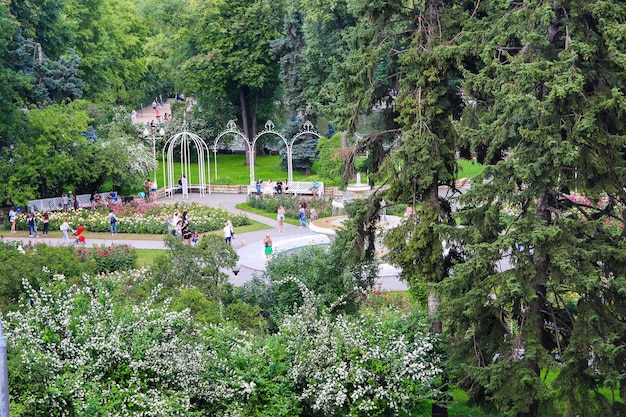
<point>540,292</point>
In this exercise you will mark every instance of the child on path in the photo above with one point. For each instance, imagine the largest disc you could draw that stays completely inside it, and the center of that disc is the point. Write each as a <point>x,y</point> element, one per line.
<point>32,225</point>
<point>267,242</point>
<point>45,219</point>
<point>281,218</point>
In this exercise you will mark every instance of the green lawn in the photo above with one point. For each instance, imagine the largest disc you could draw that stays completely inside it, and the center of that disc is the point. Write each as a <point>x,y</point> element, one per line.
<point>231,169</point>
<point>469,169</point>
<point>146,257</point>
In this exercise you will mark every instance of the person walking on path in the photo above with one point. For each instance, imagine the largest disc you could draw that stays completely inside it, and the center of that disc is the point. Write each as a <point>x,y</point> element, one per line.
<point>281,218</point>
<point>113,222</point>
<point>65,227</point>
<point>302,213</point>
<point>45,219</point>
<point>13,219</point>
<point>227,234</point>
<point>186,234</point>
<point>267,242</point>
<point>232,229</point>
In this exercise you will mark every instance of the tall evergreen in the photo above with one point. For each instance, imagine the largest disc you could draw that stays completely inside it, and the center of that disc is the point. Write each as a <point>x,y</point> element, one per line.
<point>541,290</point>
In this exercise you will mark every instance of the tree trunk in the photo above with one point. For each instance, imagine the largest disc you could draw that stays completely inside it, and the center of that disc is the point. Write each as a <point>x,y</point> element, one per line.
<point>436,326</point>
<point>433,309</point>
<point>537,304</point>
<point>243,103</point>
<point>259,148</point>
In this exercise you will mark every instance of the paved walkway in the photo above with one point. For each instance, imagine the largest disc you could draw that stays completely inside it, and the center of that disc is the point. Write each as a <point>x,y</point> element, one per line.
<point>249,246</point>
<point>147,114</point>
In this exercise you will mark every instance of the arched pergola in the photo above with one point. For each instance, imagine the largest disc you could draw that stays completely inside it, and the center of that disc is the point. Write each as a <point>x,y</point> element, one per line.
<point>186,142</point>
<point>231,128</point>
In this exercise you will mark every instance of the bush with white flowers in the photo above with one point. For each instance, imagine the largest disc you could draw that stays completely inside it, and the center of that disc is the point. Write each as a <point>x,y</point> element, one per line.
<point>360,366</point>
<point>75,354</point>
<point>78,351</point>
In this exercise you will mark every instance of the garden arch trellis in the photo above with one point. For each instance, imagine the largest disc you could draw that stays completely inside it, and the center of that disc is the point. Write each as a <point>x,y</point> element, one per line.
<point>186,141</point>
<point>231,128</point>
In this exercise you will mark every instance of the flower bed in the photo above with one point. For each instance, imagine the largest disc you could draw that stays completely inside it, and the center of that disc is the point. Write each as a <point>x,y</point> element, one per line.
<point>141,217</point>
<point>291,203</point>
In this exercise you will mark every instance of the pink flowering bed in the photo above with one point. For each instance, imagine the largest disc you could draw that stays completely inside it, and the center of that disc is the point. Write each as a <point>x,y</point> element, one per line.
<point>141,217</point>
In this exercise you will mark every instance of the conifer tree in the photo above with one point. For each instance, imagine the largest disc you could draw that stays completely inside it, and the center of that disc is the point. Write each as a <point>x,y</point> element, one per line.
<point>541,289</point>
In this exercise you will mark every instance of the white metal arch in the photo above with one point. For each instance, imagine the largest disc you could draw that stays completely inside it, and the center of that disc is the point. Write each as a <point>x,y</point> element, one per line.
<point>185,141</point>
<point>269,129</point>
<point>231,128</point>
<point>307,129</point>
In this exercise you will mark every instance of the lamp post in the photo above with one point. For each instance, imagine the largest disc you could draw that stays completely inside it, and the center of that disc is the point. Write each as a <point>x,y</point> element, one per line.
<point>148,133</point>
<point>4,375</point>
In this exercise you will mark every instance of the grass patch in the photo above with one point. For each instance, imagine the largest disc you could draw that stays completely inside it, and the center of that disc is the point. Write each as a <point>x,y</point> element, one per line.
<point>469,169</point>
<point>146,257</point>
<point>248,207</point>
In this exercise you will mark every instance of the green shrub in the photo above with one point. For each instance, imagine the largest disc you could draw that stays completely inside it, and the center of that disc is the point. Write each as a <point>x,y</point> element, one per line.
<point>291,204</point>
<point>201,308</point>
<point>36,264</point>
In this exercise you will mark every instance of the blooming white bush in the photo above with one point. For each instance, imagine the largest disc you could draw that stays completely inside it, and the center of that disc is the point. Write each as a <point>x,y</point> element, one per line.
<point>359,366</point>
<point>79,355</point>
<point>78,351</point>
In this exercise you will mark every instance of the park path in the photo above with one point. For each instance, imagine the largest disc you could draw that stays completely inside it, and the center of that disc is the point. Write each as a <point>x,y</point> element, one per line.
<point>249,246</point>
<point>146,114</point>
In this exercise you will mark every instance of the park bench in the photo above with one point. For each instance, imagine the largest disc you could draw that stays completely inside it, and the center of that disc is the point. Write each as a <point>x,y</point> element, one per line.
<point>170,191</point>
<point>304,188</point>
<point>294,187</point>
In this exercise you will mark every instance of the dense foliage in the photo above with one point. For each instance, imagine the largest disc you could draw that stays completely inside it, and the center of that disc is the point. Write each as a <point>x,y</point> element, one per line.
<point>80,350</point>
<point>33,264</point>
<point>532,283</point>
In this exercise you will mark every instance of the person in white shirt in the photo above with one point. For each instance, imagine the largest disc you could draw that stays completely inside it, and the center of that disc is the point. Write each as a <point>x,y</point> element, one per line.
<point>227,234</point>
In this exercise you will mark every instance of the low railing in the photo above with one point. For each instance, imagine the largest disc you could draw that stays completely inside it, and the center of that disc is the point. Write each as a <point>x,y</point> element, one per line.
<point>55,203</point>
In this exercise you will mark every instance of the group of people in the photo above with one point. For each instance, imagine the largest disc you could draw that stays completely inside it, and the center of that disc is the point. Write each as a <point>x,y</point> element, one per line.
<point>69,201</point>
<point>302,216</point>
<point>271,188</point>
<point>178,226</point>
